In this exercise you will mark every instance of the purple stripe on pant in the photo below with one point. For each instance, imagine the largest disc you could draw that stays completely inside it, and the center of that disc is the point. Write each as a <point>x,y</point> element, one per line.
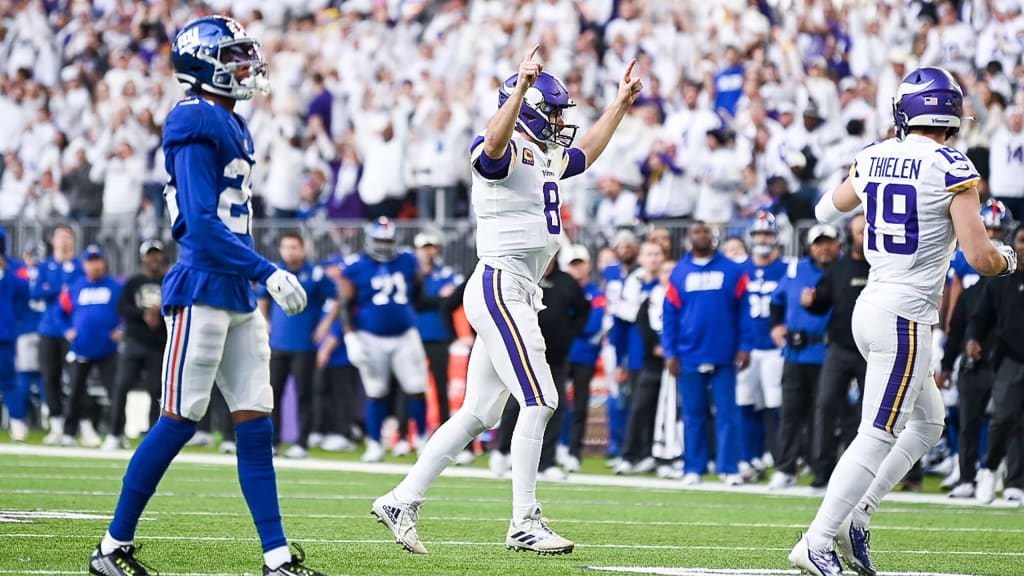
<point>506,326</point>
<point>899,378</point>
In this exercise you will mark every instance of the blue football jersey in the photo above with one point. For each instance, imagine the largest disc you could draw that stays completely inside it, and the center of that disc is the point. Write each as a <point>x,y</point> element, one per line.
<point>762,282</point>
<point>209,155</point>
<point>383,293</point>
<point>960,268</point>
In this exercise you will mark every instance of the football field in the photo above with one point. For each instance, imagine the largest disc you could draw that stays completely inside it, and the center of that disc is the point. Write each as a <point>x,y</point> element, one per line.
<point>55,505</point>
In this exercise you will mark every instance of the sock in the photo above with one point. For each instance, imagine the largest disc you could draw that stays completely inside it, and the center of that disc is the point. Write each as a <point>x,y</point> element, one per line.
<point>914,442</point>
<point>376,411</point>
<point>109,544</point>
<point>752,426</point>
<point>276,557</point>
<point>451,438</point>
<point>527,439</point>
<point>850,481</point>
<point>145,470</point>
<point>417,407</point>
<point>254,446</point>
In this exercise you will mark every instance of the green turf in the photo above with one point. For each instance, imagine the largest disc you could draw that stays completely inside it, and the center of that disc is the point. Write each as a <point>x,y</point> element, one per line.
<point>198,523</point>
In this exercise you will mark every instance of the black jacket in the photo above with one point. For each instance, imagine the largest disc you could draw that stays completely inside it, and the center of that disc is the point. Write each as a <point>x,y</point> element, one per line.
<point>956,338</point>
<point>141,292</point>
<point>1001,309</point>
<point>837,291</point>
<point>565,314</point>
<point>652,339</point>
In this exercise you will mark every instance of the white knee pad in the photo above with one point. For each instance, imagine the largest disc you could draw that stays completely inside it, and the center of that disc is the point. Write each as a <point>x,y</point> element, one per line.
<point>533,420</point>
<point>472,423</point>
<point>924,436</point>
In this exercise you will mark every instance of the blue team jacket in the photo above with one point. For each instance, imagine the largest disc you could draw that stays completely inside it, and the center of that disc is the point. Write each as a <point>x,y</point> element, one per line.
<point>94,317</point>
<point>53,281</point>
<point>703,311</point>
<point>584,349</point>
<point>429,322</point>
<point>802,274</point>
<point>295,333</point>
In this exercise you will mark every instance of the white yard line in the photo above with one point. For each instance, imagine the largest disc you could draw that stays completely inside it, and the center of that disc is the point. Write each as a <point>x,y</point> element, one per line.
<point>667,571</point>
<point>477,473</point>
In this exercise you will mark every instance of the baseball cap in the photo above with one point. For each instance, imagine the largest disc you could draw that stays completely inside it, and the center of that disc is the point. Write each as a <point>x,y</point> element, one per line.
<point>150,245</point>
<point>819,231</point>
<point>92,251</point>
<point>426,239</point>
<point>848,83</point>
<point>623,236</point>
<point>578,252</point>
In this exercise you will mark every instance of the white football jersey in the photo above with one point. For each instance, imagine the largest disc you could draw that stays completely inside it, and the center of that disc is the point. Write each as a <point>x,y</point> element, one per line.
<point>906,188</point>
<point>518,218</point>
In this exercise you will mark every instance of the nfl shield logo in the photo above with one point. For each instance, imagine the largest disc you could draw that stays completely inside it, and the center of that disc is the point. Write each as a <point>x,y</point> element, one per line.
<point>931,101</point>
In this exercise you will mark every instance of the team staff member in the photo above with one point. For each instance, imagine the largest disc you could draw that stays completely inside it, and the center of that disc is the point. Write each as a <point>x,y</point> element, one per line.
<point>803,335</point>
<point>13,289</point>
<point>583,353</point>
<point>1002,308</point>
<point>26,357</point>
<point>56,274</point>
<point>701,338</point>
<point>94,333</point>
<point>837,292</point>
<point>292,344</point>
<point>439,281</point>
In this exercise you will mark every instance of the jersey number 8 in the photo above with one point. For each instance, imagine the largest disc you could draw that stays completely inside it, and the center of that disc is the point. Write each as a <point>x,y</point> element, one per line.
<point>552,209</point>
<point>899,225</point>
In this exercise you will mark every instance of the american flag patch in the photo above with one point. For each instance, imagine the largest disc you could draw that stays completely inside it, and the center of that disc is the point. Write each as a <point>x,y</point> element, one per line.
<point>931,101</point>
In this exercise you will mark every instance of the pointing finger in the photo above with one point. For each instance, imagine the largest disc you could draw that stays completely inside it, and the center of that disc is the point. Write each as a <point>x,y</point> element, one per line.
<point>629,70</point>
<point>533,52</point>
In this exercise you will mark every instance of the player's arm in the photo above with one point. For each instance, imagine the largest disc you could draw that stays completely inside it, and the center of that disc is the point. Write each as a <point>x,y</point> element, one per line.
<point>834,203</point>
<point>346,295</point>
<point>985,258</point>
<point>593,143</point>
<point>502,124</point>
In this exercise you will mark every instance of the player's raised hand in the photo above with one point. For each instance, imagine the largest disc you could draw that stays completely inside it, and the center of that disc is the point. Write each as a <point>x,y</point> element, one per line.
<point>629,87</point>
<point>529,70</point>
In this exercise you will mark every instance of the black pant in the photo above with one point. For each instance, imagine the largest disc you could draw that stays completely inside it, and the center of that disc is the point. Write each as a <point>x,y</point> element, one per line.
<point>835,419</point>
<point>1008,398</point>
<point>799,384</point>
<point>51,366</point>
<point>640,426</point>
<point>340,400</point>
<point>581,376</point>
<point>975,387</point>
<point>559,371</point>
<point>136,360</point>
<point>300,365</point>
<point>437,354</point>
<point>78,402</point>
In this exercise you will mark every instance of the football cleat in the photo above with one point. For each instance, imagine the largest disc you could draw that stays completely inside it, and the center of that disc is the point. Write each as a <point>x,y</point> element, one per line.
<point>553,474</point>
<point>962,490</point>
<point>465,458</point>
<point>1013,494</point>
<point>200,440</point>
<point>499,463</point>
<point>985,489</point>
<point>374,452</point>
<point>572,464</point>
<point>781,480</point>
<point>111,443</point>
<point>337,443</point>
<point>19,430</point>
<point>400,518</point>
<point>296,452</point>
<point>854,545</point>
<point>534,535</point>
<point>731,479</point>
<point>401,448</point>
<point>120,562</point>
<point>692,479</point>
<point>56,432</point>
<point>820,562</point>
<point>293,567</point>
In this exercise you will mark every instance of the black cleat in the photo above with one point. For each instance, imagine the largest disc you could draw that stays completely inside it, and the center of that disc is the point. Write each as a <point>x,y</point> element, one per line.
<point>120,562</point>
<point>293,567</point>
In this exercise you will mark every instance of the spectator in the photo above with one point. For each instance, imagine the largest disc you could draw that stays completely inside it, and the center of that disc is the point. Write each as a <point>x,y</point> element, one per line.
<point>85,196</point>
<point>143,345</point>
<point>94,332</point>
<point>720,178</point>
<point>56,275</point>
<point>700,339</point>
<point>1006,172</point>
<point>46,202</point>
<point>618,208</point>
<point>293,339</point>
<point>14,188</point>
<point>803,336</point>
<point>439,282</point>
<point>614,275</point>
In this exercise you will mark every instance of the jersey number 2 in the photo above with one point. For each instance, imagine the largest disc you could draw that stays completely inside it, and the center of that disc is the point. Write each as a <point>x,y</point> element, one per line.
<point>552,208</point>
<point>898,227</point>
<point>234,205</point>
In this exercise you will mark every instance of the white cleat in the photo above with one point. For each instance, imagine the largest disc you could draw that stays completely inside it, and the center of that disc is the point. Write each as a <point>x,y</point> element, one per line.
<point>87,435</point>
<point>692,479</point>
<point>624,467</point>
<point>645,466</point>
<point>985,490</point>
<point>561,454</point>
<point>533,534</point>
<point>963,490</point>
<point>374,452</point>
<point>781,481</point>
<point>67,441</point>
<point>200,439</point>
<point>315,440</point>
<point>402,448</point>
<point>731,479</point>
<point>400,518</point>
<point>1013,494</point>
<point>554,474</point>
<point>821,562</point>
<point>19,430</point>
<point>953,478</point>
<point>499,463</point>
<point>228,447</point>
<point>669,472</point>
<point>465,458</point>
<point>56,433</point>
<point>572,464</point>
<point>296,452</point>
<point>337,443</point>
<point>112,443</point>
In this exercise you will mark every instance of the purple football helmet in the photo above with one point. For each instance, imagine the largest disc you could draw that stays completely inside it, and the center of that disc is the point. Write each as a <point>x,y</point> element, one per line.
<point>995,214</point>
<point>546,98</point>
<point>928,97</point>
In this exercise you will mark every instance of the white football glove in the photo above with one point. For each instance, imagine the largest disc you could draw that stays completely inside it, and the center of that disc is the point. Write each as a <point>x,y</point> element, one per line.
<point>354,348</point>
<point>1010,255</point>
<point>284,287</point>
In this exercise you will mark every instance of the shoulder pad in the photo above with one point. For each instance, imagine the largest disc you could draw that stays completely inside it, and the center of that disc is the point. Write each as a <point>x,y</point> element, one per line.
<point>192,120</point>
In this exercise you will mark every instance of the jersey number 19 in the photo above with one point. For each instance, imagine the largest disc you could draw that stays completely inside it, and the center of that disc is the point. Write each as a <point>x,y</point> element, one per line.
<point>898,227</point>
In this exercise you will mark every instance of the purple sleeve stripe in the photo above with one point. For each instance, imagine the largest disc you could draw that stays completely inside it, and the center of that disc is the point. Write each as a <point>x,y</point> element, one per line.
<point>495,168</point>
<point>575,163</point>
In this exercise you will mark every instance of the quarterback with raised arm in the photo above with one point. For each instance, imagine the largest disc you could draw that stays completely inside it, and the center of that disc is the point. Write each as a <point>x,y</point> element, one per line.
<point>214,330</point>
<point>920,197</point>
<point>518,161</point>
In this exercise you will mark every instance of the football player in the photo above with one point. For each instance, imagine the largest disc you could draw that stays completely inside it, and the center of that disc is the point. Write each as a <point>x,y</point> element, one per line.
<point>381,337</point>
<point>920,196</point>
<point>517,163</point>
<point>209,307</point>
